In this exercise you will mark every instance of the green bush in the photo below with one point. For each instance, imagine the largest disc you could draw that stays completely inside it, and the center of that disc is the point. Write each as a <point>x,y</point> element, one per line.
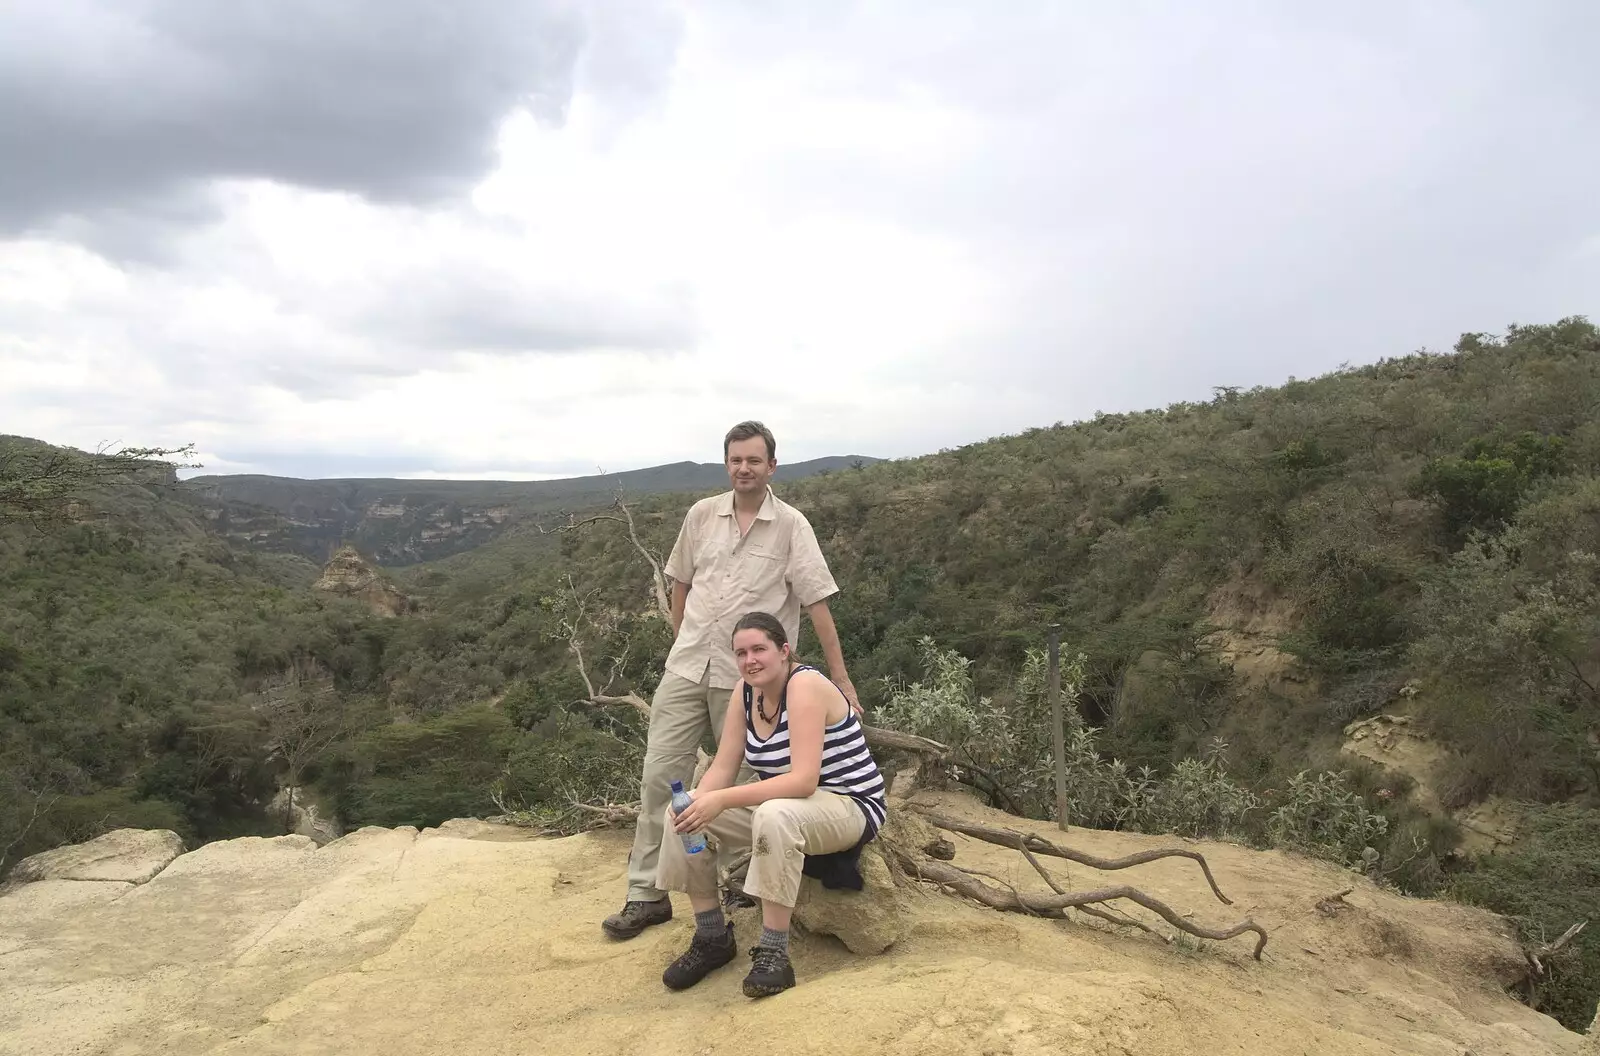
<point>1322,817</point>
<point>423,773</point>
<point>1482,487</point>
<point>564,764</point>
<point>1512,623</point>
<point>1199,798</point>
<point>1548,881</point>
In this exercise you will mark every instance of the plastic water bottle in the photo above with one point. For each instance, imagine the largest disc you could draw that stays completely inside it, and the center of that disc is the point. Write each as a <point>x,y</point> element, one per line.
<point>693,842</point>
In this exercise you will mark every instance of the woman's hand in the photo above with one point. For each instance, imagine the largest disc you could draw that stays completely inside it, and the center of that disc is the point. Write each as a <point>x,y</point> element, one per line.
<point>700,813</point>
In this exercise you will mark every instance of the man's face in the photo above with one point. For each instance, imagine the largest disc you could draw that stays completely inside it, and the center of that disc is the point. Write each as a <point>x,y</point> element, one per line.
<point>749,468</point>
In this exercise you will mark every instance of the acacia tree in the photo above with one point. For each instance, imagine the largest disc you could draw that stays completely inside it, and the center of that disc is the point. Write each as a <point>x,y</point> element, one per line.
<point>39,482</point>
<point>305,715</point>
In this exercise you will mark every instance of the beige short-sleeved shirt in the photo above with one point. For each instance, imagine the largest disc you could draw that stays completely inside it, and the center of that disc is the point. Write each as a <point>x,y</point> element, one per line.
<point>776,567</point>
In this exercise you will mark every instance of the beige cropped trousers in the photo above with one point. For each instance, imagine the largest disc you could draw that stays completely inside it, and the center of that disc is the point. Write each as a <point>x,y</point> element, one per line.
<point>779,834</point>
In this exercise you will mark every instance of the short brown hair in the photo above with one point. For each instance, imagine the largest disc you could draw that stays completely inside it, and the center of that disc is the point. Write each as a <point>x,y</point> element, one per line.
<point>772,627</point>
<point>747,430</point>
<point>767,624</point>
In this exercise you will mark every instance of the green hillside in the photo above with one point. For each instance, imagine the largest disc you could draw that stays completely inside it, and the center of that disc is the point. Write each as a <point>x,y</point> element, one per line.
<point>1243,577</point>
<point>1373,525</point>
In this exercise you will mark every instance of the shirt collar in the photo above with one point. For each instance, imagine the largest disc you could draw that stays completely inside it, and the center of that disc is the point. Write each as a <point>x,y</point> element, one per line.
<point>766,513</point>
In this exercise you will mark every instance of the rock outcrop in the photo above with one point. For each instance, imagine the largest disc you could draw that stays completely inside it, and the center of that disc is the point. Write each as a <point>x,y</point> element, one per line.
<point>348,575</point>
<point>478,939</point>
<point>866,921</point>
<point>127,856</point>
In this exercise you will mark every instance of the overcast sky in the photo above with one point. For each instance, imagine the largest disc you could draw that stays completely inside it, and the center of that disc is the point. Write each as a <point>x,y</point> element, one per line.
<point>532,238</point>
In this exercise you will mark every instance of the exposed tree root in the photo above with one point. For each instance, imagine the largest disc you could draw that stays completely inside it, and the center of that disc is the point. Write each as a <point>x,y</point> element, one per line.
<point>1027,842</point>
<point>965,883</point>
<point>1122,921</point>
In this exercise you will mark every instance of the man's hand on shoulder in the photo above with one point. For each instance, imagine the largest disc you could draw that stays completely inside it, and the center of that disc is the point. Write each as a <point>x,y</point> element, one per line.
<point>849,690</point>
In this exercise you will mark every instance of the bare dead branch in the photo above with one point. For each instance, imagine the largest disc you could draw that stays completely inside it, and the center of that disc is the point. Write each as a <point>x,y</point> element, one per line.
<point>658,579</point>
<point>1009,838</point>
<point>617,663</point>
<point>632,700</point>
<point>570,625</point>
<point>572,621</point>
<point>878,737</point>
<point>1566,937</point>
<point>1537,957</point>
<point>1577,672</point>
<point>605,815</point>
<point>40,807</point>
<point>968,885</point>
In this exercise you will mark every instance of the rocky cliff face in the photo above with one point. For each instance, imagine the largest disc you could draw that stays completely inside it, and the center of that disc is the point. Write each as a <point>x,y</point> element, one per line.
<point>396,531</point>
<point>348,575</point>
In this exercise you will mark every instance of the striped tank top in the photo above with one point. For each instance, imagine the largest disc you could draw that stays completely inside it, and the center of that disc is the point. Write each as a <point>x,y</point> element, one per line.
<point>847,765</point>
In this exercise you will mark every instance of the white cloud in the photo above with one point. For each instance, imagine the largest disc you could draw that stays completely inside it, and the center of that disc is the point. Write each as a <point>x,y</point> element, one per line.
<point>883,229</point>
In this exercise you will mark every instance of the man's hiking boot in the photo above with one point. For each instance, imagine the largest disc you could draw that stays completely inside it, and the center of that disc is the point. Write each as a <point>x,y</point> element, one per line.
<point>770,974</point>
<point>703,957</point>
<point>635,917</point>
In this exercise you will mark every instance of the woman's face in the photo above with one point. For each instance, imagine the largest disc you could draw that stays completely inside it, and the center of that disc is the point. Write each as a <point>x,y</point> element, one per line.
<point>758,659</point>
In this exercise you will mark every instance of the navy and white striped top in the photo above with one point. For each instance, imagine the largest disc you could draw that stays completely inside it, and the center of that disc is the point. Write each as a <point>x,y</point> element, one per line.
<point>847,765</point>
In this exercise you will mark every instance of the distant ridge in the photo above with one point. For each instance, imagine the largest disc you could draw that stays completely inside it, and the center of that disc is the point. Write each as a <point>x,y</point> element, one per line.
<point>399,521</point>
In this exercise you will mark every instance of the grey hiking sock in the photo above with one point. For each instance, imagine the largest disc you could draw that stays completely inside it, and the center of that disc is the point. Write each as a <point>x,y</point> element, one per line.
<point>711,924</point>
<point>775,940</point>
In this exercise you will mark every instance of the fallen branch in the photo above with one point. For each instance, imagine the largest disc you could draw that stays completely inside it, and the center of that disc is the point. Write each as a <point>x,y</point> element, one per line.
<point>1537,957</point>
<point>1019,840</point>
<point>606,815</point>
<point>1331,905</point>
<point>878,737</point>
<point>1011,901</point>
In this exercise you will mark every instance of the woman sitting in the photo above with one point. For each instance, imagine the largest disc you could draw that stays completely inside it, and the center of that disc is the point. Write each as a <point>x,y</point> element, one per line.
<point>820,792</point>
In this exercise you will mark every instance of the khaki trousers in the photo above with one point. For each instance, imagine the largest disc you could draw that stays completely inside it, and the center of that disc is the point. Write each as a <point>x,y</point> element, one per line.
<point>778,833</point>
<point>683,715</point>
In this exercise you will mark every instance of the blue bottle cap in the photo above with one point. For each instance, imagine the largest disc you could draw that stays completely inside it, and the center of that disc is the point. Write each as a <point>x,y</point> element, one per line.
<point>677,786</point>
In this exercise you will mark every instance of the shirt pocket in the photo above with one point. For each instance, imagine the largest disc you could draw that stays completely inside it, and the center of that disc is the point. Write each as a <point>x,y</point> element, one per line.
<point>763,567</point>
<point>709,555</point>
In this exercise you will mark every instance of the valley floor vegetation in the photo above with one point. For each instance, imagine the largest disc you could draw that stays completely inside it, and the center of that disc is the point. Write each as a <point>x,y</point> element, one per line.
<point>1237,581</point>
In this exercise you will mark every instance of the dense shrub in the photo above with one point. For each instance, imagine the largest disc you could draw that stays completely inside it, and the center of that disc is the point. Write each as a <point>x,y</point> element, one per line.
<point>1547,882</point>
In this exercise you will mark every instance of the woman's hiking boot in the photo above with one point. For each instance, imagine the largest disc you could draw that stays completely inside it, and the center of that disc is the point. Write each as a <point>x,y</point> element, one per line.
<point>704,956</point>
<point>770,974</point>
<point>636,916</point>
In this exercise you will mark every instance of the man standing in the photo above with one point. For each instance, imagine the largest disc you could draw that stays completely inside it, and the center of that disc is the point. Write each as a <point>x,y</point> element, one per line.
<point>737,552</point>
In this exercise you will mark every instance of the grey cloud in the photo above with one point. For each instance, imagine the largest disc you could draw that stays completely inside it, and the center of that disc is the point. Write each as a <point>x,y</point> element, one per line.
<point>109,105</point>
<point>478,313</point>
<point>1231,193</point>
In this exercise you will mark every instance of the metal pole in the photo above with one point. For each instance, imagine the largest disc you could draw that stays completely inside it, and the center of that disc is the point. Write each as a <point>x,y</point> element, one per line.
<point>1056,726</point>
